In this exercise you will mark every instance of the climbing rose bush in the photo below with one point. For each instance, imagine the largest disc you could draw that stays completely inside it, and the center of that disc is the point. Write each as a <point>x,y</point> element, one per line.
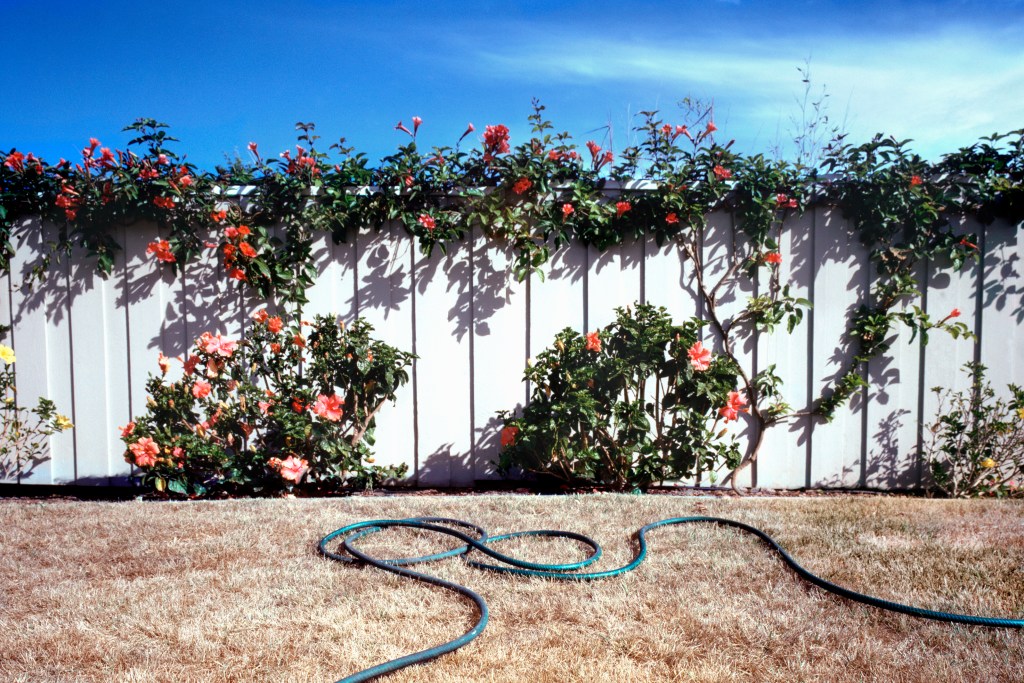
<point>286,406</point>
<point>625,406</point>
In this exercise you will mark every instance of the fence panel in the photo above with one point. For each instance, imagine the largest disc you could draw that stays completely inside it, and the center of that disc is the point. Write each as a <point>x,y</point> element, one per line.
<point>88,342</point>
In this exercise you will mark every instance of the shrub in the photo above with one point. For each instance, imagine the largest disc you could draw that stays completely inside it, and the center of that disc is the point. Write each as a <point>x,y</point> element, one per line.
<point>636,402</point>
<point>274,410</point>
<point>23,431</point>
<point>976,444</point>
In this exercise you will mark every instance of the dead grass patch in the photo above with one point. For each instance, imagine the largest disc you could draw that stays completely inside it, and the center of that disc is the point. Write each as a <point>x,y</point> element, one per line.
<point>234,591</point>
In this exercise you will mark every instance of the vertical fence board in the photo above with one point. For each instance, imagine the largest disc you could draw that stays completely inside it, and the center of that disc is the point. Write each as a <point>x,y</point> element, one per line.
<point>782,461</point>
<point>8,465</point>
<point>557,301</point>
<point>1002,305</point>
<point>613,281</point>
<point>443,369</point>
<point>841,280</point>
<point>42,347</point>
<point>499,348</point>
<point>667,281</point>
<point>383,298</point>
<point>99,366</point>
<point>334,291</point>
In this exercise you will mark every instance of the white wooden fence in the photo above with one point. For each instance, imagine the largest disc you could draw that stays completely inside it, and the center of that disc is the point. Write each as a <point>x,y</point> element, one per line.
<point>88,342</point>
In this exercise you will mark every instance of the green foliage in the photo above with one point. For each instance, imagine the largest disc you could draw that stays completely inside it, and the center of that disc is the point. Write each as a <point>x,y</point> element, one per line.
<point>623,407</point>
<point>976,444</point>
<point>280,408</point>
<point>23,431</point>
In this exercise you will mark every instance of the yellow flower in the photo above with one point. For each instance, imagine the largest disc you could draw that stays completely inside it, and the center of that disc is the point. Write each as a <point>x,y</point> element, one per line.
<point>63,423</point>
<point>988,463</point>
<point>1020,413</point>
<point>7,354</point>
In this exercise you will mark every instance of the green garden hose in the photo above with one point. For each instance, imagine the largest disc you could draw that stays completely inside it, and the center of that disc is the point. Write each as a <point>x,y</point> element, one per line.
<point>568,572</point>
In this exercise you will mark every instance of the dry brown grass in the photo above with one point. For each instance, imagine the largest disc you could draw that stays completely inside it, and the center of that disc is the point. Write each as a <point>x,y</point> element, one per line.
<point>234,591</point>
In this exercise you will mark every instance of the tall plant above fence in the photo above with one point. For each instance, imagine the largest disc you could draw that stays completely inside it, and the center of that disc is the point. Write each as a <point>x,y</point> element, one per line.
<point>538,195</point>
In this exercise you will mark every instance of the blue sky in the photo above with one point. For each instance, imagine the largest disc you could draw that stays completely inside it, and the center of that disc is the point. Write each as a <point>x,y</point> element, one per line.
<point>223,73</point>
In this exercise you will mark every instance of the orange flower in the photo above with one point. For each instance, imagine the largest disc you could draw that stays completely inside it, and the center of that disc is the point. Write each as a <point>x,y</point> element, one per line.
<point>145,451</point>
<point>594,341</point>
<point>190,364</point>
<point>672,218</point>
<point>427,221</point>
<point>218,216</point>
<point>721,172</point>
<point>201,389</point>
<point>247,250</point>
<point>217,345</point>
<point>161,250</point>
<point>733,407</point>
<point>300,341</point>
<point>261,315</point>
<point>567,210</point>
<point>773,257</point>
<point>621,208</point>
<point>237,274</point>
<point>915,180</point>
<point>508,435</point>
<point>275,348</point>
<point>127,429</point>
<point>275,324</point>
<point>522,185</point>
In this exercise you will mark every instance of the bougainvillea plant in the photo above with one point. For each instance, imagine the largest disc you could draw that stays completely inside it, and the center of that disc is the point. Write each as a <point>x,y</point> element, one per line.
<point>636,402</point>
<point>284,407</point>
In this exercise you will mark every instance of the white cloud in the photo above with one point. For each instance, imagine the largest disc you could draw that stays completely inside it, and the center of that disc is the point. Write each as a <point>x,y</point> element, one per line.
<point>943,89</point>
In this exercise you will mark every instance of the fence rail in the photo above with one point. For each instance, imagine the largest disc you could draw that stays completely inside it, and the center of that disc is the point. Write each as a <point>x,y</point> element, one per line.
<point>88,342</point>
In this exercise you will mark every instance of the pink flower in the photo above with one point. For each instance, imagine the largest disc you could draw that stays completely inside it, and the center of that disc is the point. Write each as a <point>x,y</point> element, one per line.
<point>292,469</point>
<point>681,130</point>
<point>260,316</point>
<point>700,358</point>
<point>329,407</point>
<point>217,345</point>
<point>733,407</point>
<point>416,121</point>
<point>164,362</point>
<point>264,406</point>
<point>773,257</point>
<point>508,435</point>
<point>162,160</point>
<point>567,210</point>
<point>400,126</point>
<point>201,389</point>
<point>145,451</point>
<point>495,141</point>
<point>711,128</point>
<point>594,341</point>
<point>522,185</point>
<point>190,364</point>
<point>621,208</point>
<point>127,429</point>
<point>785,202</point>
<point>427,221</point>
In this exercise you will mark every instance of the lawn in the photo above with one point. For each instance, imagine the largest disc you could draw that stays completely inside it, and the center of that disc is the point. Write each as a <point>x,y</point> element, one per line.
<point>234,591</point>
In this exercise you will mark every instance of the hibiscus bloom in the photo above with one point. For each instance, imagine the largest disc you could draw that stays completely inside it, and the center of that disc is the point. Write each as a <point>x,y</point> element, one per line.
<point>127,429</point>
<point>773,257</point>
<point>672,218</point>
<point>567,210</point>
<point>733,407</point>
<point>700,358</point>
<point>621,208</point>
<point>275,324</point>
<point>201,389</point>
<point>161,250</point>
<point>508,435</point>
<point>145,451</point>
<point>594,341</point>
<point>216,345</point>
<point>260,316</point>
<point>721,172</point>
<point>164,362</point>
<point>427,221</point>
<point>292,469</point>
<point>329,407</point>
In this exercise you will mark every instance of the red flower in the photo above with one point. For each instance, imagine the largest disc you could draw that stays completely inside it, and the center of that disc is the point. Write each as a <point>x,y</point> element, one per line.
<point>621,208</point>
<point>247,250</point>
<point>785,202</point>
<point>275,324</point>
<point>298,405</point>
<point>508,435</point>
<point>672,218</point>
<point>300,341</point>
<point>254,150</point>
<point>681,130</point>
<point>15,161</point>
<point>700,358</point>
<point>427,221</point>
<point>237,274</point>
<point>201,389</point>
<point>147,172</point>
<point>721,172</point>
<point>329,407</point>
<point>733,407</point>
<point>190,364</point>
<point>567,210</point>
<point>275,347</point>
<point>260,316</point>
<point>469,129</point>
<point>522,185</point>
<point>955,313</point>
<point>127,429</point>
<point>594,148</point>
<point>594,341</point>
<point>161,249</point>
<point>965,243</point>
<point>773,257</point>
<point>164,202</point>
<point>495,141</point>
<point>915,180</point>
<point>218,216</point>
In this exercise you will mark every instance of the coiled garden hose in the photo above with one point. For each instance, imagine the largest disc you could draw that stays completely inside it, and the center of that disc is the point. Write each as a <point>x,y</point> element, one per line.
<point>567,572</point>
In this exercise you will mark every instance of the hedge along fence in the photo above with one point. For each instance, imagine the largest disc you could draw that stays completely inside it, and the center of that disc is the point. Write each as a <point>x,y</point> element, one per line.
<point>537,196</point>
<point>88,342</point>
